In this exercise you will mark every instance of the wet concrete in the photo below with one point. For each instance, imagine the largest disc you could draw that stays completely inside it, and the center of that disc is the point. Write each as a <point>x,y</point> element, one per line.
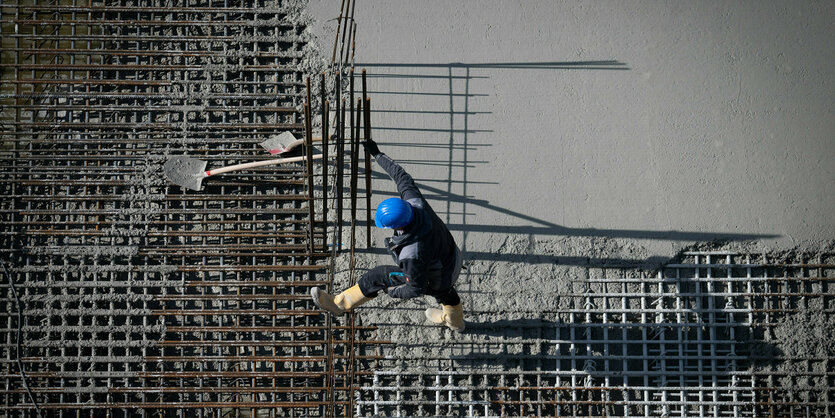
<point>561,142</point>
<point>663,124</point>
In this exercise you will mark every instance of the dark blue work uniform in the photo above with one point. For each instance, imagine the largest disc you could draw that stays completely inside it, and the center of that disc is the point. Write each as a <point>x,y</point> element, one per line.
<point>428,261</point>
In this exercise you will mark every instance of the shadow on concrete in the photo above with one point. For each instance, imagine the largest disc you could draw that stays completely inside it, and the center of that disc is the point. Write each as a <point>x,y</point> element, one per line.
<point>659,345</point>
<point>685,337</point>
<point>530,65</point>
<point>539,259</point>
<point>458,163</point>
<point>543,227</point>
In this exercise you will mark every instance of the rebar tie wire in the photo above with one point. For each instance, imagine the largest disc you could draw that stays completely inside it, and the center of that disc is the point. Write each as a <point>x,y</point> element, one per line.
<point>19,337</point>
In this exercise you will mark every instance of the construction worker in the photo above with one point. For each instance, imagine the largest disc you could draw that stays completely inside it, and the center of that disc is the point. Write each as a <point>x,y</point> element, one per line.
<point>428,261</point>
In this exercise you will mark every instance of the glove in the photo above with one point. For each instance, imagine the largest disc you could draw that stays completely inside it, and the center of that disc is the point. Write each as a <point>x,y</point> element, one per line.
<point>371,147</point>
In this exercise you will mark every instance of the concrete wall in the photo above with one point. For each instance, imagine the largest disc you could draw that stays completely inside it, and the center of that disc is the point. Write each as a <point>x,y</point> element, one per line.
<point>713,120</point>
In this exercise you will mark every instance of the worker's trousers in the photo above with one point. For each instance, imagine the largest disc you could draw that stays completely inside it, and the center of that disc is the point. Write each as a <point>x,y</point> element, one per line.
<point>385,277</point>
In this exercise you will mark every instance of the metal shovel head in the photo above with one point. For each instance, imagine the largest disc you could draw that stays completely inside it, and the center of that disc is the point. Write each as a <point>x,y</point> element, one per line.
<point>185,171</point>
<point>278,144</point>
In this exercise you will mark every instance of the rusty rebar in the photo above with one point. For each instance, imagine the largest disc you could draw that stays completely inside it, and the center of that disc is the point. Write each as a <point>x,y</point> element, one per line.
<point>345,31</point>
<point>330,379</point>
<point>355,162</point>
<point>95,94</point>
<point>354,134</point>
<point>340,161</point>
<point>367,155</point>
<point>325,161</point>
<point>308,148</point>
<point>351,34</point>
<point>338,26</point>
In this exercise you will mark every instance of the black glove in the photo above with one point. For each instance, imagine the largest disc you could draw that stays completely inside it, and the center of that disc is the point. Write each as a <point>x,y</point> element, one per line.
<point>371,147</point>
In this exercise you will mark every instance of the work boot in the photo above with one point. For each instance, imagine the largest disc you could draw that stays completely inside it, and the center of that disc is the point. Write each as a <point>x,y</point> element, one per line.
<point>341,303</point>
<point>451,316</point>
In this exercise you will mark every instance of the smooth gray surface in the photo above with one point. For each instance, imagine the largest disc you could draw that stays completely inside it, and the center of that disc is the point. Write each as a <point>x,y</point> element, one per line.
<point>714,121</point>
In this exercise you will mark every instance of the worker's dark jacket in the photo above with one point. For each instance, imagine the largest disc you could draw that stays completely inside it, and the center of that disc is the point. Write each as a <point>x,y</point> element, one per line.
<point>425,252</point>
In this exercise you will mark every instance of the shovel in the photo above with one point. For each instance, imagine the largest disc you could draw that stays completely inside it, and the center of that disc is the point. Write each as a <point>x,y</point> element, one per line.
<point>285,142</point>
<point>189,172</point>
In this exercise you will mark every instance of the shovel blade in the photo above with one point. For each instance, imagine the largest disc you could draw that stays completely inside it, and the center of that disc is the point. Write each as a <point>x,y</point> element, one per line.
<point>185,171</point>
<point>279,143</point>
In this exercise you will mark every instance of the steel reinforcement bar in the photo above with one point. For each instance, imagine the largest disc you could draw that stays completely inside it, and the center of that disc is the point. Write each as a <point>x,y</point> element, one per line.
<point>137,296</point>
<point>713,334</point>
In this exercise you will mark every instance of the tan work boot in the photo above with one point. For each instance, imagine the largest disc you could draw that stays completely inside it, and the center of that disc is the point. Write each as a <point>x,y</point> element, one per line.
<point>341,303</point>
<point>451,316</point>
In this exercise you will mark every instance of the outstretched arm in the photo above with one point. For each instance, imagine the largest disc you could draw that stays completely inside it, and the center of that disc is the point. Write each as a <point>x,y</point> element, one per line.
<point>405,184</point>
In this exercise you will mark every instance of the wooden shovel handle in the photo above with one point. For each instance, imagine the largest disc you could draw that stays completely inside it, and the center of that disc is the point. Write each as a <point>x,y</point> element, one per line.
<point>298,142</point>
<point>244,166</point>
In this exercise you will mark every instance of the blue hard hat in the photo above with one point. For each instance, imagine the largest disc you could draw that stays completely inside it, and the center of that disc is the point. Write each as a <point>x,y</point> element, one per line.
<point>393,213</point>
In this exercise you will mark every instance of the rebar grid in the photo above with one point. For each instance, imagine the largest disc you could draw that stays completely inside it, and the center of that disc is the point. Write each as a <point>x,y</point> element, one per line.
<point>137,295</point>
<point>705,336</point>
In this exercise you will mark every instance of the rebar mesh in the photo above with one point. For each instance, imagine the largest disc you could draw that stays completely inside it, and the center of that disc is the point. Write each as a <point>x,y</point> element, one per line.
<point>140,296</point>
<point>136,293</point>
<point>714,334</point>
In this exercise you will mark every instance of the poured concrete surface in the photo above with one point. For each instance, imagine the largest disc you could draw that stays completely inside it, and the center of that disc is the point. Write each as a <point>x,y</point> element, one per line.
<point>563,143</point>
<point>715,119</point>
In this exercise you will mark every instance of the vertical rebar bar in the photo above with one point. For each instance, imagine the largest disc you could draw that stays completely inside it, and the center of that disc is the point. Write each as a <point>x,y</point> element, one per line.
<point>325,143</point>
<point>336,38</point>
<point>355,145</point>
<point>353,43</point>
<point>353,139</point>
<point>340,159</point>
<point>352,32</point>
<point>367,124</point>
<point>308,148</point>
<point>106,89</point>
<point>367,158</point>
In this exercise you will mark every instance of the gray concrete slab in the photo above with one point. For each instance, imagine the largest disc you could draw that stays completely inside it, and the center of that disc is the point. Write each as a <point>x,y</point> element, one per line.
<point>707,119</point>
<point>567,144</point>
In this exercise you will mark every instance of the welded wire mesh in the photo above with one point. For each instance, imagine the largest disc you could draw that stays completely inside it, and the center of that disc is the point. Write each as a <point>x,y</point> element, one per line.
<point>714,334</point>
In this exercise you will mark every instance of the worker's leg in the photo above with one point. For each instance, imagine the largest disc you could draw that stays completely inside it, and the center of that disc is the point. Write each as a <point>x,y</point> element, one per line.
<point>349,299</point>
<point>368,286</point>
<point>451,313</point>
<point>447,297</point>
<point>380,278</point>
